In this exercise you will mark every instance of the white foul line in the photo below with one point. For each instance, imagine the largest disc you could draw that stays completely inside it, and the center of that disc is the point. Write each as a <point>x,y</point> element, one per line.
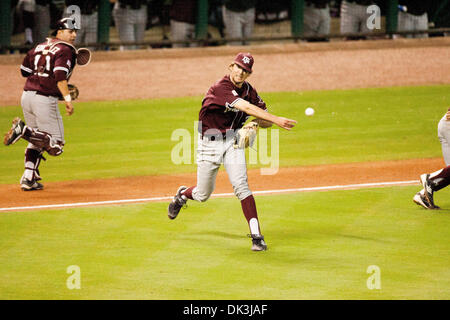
<point>218,195</point>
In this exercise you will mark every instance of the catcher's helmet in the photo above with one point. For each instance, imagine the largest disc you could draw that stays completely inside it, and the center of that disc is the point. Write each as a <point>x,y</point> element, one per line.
<point>65,23</point>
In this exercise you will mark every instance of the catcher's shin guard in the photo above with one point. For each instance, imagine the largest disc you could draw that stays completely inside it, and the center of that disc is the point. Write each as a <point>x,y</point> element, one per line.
<point>43,140</point>
<point>32,161</point>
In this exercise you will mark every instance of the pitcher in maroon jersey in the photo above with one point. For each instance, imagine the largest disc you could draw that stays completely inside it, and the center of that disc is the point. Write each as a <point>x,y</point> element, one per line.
<point>225,109</point>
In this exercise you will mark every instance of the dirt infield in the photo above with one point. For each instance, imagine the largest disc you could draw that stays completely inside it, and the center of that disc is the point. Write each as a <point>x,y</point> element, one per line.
<point>187,72</point>
<point>162,186</point>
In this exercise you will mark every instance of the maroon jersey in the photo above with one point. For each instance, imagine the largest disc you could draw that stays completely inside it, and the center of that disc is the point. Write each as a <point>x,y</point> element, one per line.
<point>218,111</point>
<point>46,64</point>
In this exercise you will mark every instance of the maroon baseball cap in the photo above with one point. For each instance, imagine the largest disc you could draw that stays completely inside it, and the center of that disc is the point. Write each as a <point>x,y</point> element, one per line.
<point>245,61</point>
<point>65,23</point>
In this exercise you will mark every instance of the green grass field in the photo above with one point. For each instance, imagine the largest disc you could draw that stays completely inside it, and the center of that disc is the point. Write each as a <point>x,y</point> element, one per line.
<point>320,246</point>
<point>320,243</point>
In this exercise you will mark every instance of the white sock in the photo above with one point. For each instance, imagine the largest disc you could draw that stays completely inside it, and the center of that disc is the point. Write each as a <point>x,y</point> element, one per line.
<point>254,226</point>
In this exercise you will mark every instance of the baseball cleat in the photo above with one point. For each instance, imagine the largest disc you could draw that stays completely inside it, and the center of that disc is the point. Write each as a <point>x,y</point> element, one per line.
<point>28,185</point>
<point>421,200</point>
<point>15,133</point>
<point>177,203</point>
<point>258,243</point>
<point>428,191</point>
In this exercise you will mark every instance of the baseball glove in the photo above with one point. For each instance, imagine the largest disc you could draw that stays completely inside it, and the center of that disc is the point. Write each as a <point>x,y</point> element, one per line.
<point>246,136</point>
<point>73,90</point>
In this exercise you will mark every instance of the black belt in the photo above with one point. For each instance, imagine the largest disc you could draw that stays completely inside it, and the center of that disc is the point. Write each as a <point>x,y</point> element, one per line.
<point>214,137</point>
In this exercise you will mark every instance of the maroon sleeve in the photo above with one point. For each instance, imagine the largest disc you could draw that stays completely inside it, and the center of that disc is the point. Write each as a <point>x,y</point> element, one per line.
<point>26,68</point>
<point>225,95</point>
<point>256,99</point>
<point>63,64</point>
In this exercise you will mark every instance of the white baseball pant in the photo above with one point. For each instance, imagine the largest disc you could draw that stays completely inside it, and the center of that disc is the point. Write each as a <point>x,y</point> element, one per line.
<point>316,21</point>
<point>410,22</point>
<point>42,113</point>
<point>353,18</point>
<point>238,24</point>
<point>210,155</point>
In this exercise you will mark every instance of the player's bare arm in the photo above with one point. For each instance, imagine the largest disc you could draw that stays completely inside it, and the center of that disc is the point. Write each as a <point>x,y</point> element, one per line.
<point>253,110</point>
<point>447,115</point>
<point>262,123</point>
<point>64,89</point>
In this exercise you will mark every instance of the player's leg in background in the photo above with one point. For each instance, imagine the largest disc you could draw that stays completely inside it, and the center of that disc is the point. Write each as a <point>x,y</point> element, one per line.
<point>405,23</point>
<point>182,31</point>
<point>325,21</point>
<point>42,23</point>
<point>349,21</point>
<point>248,24</point>
<point>311,21</point>
<point>236,167</point>
<point>178,32</point>
<point>363,17</point>
<point>190,31</point>
<point>232,26</point>
<point>140,24</point>
<point>91,28</point>
<point>28,17</point>
<point>421,23</point>
<point>81,34</point>
<point>124,27</point>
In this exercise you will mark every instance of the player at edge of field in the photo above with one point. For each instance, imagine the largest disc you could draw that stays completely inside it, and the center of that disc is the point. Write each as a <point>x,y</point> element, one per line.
<point>48,68</point>
<point>440,179</point>
<point>226,107</point>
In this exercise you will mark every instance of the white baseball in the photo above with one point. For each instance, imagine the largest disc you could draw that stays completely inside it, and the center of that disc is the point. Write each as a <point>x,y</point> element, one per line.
<point>309,111</point>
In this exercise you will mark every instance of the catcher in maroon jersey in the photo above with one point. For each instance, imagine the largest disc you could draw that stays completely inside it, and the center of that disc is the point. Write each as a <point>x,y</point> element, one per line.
<point>48,68</point>
<point>226,107</point>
